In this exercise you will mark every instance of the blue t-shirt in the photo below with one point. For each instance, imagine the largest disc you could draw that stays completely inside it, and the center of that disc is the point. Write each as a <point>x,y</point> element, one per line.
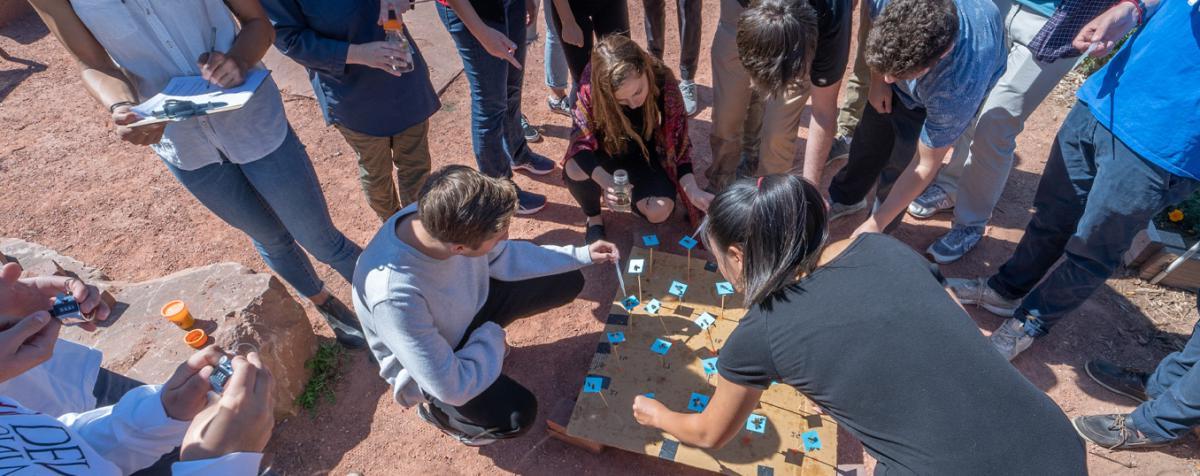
<point>1148,95</point>
<point>318,33</point>
<point>952,91</point>
<point>1042,7</point>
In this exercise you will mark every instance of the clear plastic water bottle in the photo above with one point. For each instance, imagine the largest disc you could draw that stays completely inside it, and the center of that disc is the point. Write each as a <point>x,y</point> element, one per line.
<point>620,192</point>
<point>394,31</point>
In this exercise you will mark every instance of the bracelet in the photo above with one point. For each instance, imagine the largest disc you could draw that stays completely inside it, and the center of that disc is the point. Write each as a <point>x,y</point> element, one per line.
<point>1139,6</point>
<point>114,106</point>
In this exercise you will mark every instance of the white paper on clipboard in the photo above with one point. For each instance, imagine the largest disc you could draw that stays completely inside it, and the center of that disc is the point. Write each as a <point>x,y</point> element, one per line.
<point>201,92</point>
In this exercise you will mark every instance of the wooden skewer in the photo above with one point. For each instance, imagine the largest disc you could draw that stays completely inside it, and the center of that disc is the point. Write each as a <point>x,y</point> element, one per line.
<point>639,287</point>
<point>711,345</point>
<point>605,400</point>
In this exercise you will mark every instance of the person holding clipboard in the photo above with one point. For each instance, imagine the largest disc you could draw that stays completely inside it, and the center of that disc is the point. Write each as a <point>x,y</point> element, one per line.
<point>246,165</point>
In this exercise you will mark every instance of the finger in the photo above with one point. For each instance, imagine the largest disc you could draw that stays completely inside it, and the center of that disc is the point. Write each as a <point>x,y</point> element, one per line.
<point>263,381</point>
<point>242,381</point>
<point>25,328</point>
<point>196,387</point>
<point>383,12</point>
<point>210,356</point>
<point>88,297</point>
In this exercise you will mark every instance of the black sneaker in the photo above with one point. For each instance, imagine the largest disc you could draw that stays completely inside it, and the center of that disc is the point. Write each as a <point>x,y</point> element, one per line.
<point>594,233</point>
<point>840,150</point>
<point>534,163</point>
<point>344,323</point>
<point>532,134</point>
<point>529,203</point>
<point>440,420</point>
<point>1113,432</point>
<point>1125,381</point>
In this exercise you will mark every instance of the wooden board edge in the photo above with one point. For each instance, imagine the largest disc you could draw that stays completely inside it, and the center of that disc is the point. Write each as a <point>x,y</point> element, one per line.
<point>556,425</point>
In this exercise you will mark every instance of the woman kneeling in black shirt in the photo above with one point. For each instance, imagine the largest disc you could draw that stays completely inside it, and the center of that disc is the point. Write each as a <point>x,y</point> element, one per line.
<point>866,330</point>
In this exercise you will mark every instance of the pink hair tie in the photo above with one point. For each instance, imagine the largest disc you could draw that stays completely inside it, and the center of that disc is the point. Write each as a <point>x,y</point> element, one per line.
<point>760,182</point>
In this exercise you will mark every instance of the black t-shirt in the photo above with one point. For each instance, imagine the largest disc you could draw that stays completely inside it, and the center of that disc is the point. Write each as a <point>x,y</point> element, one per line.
<point>833,39</point>
<point>873,338</point>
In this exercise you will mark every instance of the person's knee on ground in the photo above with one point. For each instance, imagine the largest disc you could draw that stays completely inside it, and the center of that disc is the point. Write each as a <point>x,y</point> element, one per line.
<point>583,189</point>
<point>656,209</point>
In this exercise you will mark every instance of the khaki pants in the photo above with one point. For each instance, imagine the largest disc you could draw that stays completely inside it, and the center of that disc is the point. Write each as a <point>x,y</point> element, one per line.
<point>736,120</point>
<point>408,151</point>
<point>859,81</point>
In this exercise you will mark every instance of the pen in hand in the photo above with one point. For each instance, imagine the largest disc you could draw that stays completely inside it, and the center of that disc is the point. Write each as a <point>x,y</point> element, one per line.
<point>212,45</point>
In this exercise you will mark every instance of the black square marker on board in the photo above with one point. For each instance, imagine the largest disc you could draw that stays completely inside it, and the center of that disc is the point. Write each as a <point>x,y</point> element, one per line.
<point>604,348</point>
<point>765,470</point>
<point>617,320</point>
<point>669,448</point>
<point>710,267</point>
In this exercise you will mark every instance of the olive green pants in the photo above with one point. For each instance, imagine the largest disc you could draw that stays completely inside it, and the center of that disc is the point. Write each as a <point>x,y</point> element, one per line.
<point>407,151</point>
<point>859,81</point>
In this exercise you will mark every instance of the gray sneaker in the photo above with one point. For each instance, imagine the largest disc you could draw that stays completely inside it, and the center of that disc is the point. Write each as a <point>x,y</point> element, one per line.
<point>838,210</point>
<point>840,150</point>
<point>1010,338</point>
<point>690,105</point>
<point>933,200</point>
<point>560,106</point>
<point>976,291</point>
<point>953,245</point>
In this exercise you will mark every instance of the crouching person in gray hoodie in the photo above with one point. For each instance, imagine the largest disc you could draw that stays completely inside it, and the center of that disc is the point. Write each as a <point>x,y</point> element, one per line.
<point>435,289</point>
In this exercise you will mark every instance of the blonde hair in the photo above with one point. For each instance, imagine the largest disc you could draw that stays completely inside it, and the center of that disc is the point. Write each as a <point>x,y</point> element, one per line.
<point>616,59</point>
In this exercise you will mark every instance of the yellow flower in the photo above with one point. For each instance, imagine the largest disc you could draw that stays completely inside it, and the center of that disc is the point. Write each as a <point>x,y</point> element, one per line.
<point>1176,215</point>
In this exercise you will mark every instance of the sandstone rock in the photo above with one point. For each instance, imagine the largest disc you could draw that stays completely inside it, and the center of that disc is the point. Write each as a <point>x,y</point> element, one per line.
<point>230,302</point>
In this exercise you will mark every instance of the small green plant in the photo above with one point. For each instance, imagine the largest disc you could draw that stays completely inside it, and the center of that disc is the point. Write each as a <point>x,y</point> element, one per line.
<point>324,366</point>
<point>1091,64</point>
<point>1182,218</point>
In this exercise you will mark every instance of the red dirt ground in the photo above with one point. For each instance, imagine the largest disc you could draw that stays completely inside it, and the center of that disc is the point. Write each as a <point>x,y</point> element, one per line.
<point>69,184</point>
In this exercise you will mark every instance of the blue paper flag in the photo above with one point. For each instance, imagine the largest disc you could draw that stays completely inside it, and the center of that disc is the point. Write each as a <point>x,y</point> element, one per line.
<point>630,302</point>
<point>616,337</point>
<point>677,289</point>
<point>650,240</point>
<point>652,307</point>
<point>756,423</point>
<point>650,395</point>
<point>710,366</point>
<point>697,402</point>
<point>724,288</point>
<point>593,384</point>
<point>688,242</point>
<point>660,347</point>
<point>811,440</point>
<point>705,320</point>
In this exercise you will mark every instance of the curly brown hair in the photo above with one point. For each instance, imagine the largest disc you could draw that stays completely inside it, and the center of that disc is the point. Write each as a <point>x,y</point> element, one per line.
<point>909,36</point>
<point>616,58</point>
<point>767,37</point>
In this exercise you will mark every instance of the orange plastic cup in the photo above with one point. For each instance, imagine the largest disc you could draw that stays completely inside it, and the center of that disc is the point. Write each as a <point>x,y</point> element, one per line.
<point>177,312</point>
<point>196,338</point>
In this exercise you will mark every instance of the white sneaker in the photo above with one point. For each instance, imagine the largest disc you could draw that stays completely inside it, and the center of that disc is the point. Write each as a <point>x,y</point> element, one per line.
<point>838,210</point>
<point>1010,338</point>
<point>976,291</point>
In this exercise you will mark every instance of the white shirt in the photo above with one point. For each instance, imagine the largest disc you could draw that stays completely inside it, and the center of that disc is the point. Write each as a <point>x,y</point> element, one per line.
<point>156,40</point>
<point>114,440</point>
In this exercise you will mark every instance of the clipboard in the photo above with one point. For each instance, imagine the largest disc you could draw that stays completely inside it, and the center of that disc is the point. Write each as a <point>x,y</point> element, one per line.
<point>190,96</point>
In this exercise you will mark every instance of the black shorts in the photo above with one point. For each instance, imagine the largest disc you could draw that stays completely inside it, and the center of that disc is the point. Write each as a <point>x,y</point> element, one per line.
<point>649,181</point>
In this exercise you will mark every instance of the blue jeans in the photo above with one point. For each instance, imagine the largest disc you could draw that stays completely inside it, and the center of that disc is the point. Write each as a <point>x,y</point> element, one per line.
<point>1174,389</point>
<point>496,135</point>
<point>1094,196</point>
<point>273,199</point>
<point>557,75</point>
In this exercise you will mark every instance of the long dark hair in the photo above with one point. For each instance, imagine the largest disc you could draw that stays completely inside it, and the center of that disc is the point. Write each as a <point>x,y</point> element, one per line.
<point>779,222</point>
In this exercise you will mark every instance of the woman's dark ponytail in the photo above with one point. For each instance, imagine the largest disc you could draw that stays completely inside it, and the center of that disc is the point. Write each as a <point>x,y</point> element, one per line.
<point>779,222</point>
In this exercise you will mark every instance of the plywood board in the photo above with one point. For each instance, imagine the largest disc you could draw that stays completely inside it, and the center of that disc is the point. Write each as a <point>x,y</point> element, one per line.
<point>631,368</point>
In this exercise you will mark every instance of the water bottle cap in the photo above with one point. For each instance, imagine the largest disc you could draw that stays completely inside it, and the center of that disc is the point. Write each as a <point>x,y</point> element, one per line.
<point>393,24</point>
<point>621,176</point>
